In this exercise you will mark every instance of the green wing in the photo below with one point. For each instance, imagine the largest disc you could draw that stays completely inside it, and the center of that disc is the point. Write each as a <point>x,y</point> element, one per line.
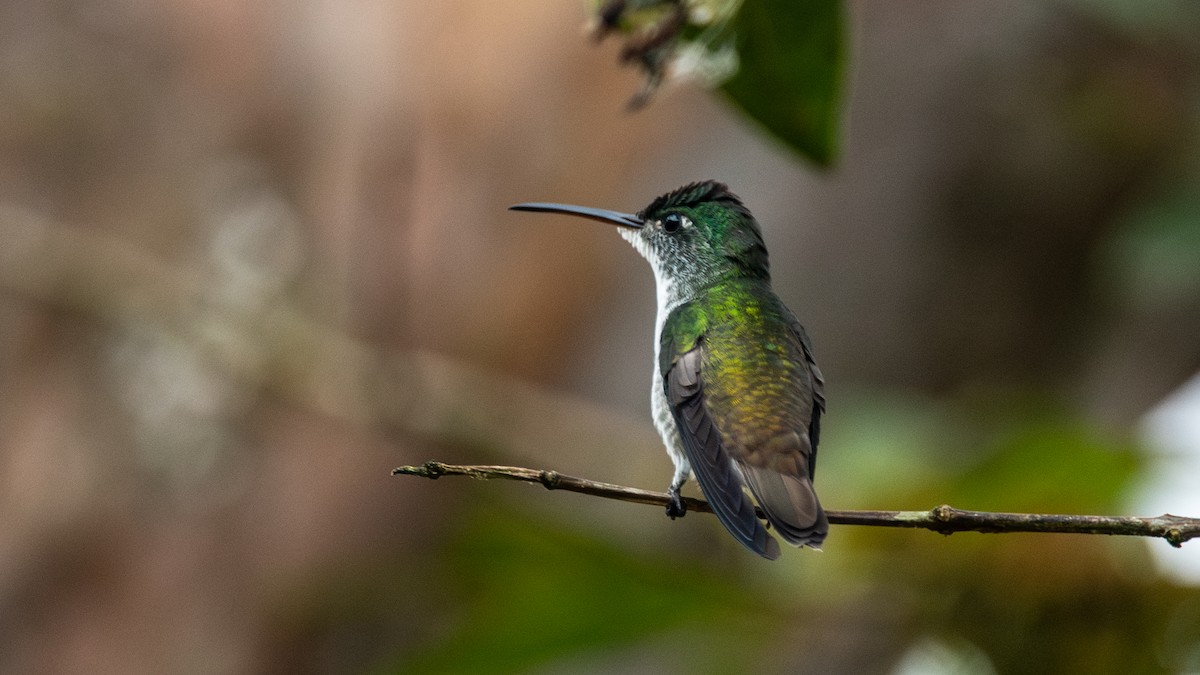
<point>818,388</point>
<point>747,397</point>
<point>777,454</point>
<point>681,358</point>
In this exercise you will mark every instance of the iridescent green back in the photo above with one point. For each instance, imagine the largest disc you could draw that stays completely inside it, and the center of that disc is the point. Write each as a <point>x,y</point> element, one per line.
<point>757,381</point>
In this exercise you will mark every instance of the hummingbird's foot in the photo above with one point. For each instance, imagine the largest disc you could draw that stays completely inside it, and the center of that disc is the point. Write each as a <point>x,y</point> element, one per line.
<point>675,508</point>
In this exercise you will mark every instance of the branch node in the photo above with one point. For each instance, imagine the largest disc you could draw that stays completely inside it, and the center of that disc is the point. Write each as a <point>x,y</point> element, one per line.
<point>943,513</point>
<point>1174,537</point>
<point>433,470</point>
<point>550,479</point>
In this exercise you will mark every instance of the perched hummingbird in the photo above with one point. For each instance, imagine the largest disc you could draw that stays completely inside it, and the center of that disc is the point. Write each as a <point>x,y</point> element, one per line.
<point>736,394</point>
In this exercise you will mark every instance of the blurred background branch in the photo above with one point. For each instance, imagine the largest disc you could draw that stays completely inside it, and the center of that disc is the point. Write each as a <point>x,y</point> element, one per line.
<point>287,354</point>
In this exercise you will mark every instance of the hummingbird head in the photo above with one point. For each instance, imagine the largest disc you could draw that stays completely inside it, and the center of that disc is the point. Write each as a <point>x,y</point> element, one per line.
<point>693,237</point>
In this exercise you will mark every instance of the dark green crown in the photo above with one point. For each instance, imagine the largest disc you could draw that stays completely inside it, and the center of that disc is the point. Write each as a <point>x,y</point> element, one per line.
<point>694,194</point>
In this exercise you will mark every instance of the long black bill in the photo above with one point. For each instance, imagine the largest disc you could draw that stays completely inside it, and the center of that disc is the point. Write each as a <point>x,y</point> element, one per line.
<point>603,215</point>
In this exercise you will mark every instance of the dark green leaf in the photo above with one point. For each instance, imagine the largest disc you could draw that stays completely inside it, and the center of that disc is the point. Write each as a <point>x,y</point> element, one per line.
<point>792,56</point>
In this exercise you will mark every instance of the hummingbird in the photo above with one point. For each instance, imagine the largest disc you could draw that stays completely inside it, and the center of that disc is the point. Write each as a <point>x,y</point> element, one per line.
<point>736,394</point>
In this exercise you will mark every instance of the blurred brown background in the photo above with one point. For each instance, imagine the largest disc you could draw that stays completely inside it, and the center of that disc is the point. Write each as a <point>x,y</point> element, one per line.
<point>254,255</point>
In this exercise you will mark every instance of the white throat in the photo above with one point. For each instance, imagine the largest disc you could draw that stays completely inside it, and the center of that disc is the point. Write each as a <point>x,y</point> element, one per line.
<point>667,289</point>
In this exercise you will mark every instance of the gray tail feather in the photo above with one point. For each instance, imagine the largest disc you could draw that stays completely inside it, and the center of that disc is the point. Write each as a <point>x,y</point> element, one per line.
<point>791,505</point>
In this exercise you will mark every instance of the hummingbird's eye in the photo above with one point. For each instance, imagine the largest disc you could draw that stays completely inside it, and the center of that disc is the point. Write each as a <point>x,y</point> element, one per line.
<point>672,222</point>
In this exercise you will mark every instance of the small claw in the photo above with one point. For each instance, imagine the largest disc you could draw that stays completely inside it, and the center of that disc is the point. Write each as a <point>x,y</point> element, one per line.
<point>675,508</point>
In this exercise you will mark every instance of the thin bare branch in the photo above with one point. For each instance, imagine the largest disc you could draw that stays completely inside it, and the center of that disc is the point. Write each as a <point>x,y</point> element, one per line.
<point>944,519</point>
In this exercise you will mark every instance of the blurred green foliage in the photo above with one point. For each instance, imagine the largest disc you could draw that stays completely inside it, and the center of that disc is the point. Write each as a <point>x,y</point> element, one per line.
<point>1154,255</point>
<point>548,594</point>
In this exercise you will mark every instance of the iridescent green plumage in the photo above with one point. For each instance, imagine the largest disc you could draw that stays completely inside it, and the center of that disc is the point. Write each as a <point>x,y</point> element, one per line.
<point>761,391</point>
<point>758,380</point>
